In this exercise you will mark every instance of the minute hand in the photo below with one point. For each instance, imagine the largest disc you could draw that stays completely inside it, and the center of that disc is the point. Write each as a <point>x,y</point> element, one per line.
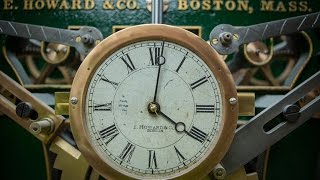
<point>226,39</point>
<point>83,39</point>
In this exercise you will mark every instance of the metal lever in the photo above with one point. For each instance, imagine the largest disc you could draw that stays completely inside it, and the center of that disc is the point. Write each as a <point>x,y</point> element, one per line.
<point>226,39</point>
<point>44,112</point>
<point>251,139</point>
<point>84,40</point>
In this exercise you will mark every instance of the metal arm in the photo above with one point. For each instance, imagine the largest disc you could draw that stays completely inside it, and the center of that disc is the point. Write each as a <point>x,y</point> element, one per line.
<point>251,139</point>
<point>84,40</point>
<point>226,39</point>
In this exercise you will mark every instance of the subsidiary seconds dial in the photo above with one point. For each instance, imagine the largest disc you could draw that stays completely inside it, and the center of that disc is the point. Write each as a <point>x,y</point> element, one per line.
<point>152,107</point>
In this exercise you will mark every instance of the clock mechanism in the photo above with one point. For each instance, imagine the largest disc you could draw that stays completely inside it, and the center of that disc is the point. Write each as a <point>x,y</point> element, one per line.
<point>159,101</point>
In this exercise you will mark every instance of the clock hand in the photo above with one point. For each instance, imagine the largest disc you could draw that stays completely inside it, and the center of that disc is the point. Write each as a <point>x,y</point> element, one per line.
<point>179,126</point>
<point>226,39</point>
<point>160,63</point>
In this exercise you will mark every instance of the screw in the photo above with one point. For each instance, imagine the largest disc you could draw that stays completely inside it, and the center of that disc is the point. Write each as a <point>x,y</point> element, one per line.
<point>74,100</point>
<point>214,41</point>
<point>235,37</point>
<point>25,110</point>
<point>233,101</point>
<point>291,113</point>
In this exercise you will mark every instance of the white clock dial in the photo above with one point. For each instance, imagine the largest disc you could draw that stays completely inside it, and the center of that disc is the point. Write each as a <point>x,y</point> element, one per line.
<point>152,102</point>
<point>148,144</point>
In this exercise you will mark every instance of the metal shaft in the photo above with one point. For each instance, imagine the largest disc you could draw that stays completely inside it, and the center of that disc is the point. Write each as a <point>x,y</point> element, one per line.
<point>157,10</point>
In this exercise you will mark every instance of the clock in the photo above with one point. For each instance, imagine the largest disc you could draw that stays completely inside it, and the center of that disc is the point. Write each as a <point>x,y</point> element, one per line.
<point>153,102</point>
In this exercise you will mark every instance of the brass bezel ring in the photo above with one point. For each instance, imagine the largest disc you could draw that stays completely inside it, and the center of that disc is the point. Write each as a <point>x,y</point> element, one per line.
<point>107,47</point>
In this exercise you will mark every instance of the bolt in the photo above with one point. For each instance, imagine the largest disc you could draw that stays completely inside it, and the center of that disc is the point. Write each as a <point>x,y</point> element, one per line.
<point>214,41</point>
<point>233,101</point>
<point>45,126</point>
<point>219,172</point>
<point>291,113</point>
<point>87,39</point>
<point>74,100</point>
<point>226,38</point>
<point>25,110</point>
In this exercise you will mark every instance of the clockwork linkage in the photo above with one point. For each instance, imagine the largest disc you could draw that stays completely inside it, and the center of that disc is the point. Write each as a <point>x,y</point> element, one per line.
<point>226,39</point>
<point>84,40</point>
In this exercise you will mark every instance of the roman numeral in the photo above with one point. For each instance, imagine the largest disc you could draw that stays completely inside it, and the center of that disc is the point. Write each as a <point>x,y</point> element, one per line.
<point>127,152</point>
<point>198,83</point>
<point>114,84</point>
<point>109,133</point>
<point>102,107</point>
<point>180,156</point>
<point>197,134</point>
<point>182,61</point>
<point>152,160</point>
<point>127,60</point>
<point>156,55</point>
<point>205,108</point>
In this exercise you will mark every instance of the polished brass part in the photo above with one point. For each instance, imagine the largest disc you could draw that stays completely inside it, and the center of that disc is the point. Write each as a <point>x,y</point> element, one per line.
<point>164,33</point>
<point>235,37</point>
<point>309,97</point>
<point>47,161</point>
<point>165,5</point>
<point>54,53</point>
<point>48,86</point>
<point>41,76</point>
<point>219,172</point>
<point>153,107</point>
<point>43,110</point>
<point>242,175</point>
<point>194,29</point>
<point>61,103</point>
<point>246,104</point>
<point>257,53</point>
<point>45,126</point>
<point>6,94</point>
<point>69,160</point>
<point>214,41</point>
<point>271,83</point>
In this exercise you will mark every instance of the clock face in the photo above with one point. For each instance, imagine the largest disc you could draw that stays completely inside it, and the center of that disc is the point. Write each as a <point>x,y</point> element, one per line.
<point>153,106</point>
<point>125,133</point>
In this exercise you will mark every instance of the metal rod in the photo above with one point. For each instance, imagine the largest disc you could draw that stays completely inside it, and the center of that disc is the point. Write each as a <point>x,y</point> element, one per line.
<point>157,10</point>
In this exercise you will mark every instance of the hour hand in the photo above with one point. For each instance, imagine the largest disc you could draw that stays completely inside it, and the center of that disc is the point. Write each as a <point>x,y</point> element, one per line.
<point>178,126</point>
<point>84,39</point>
<point>226,39</point>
